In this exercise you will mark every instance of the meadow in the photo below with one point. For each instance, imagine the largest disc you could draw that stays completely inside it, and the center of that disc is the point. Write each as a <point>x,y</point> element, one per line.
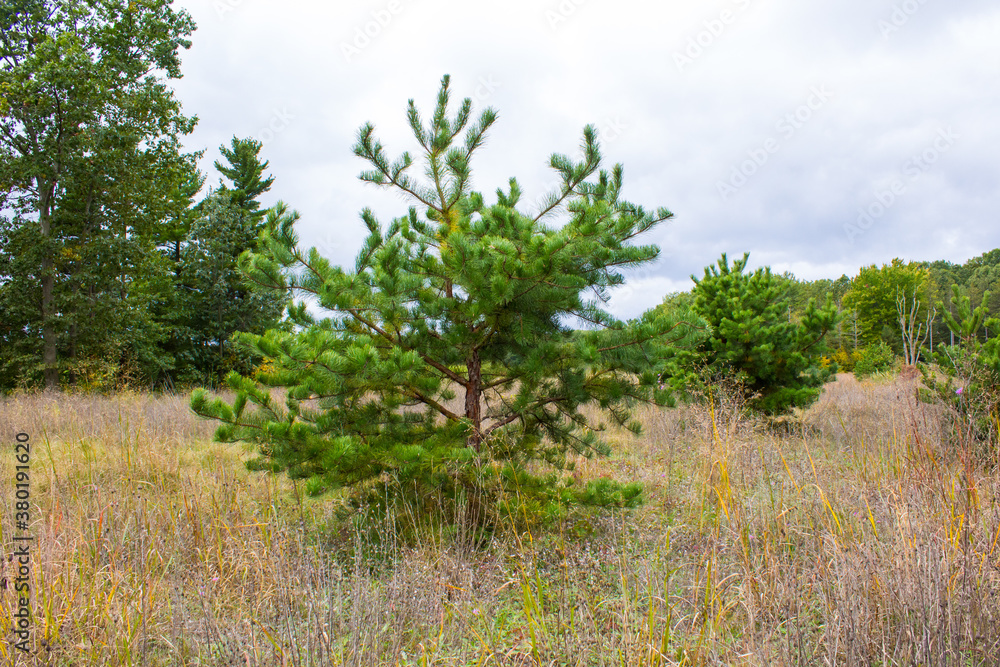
<point>860,533</point>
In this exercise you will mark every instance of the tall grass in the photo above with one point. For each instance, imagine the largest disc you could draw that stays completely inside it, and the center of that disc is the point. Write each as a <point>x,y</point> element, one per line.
<point>857,536</point>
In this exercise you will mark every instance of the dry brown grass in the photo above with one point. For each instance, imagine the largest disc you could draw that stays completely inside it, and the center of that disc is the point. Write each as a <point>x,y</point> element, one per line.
<point>857,537</point>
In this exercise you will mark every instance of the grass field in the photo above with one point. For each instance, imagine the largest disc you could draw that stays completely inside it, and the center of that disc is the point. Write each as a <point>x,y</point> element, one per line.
<point>857,536</point>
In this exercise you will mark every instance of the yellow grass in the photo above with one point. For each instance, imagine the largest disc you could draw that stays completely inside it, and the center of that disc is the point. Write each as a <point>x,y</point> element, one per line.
<point>855,537</point>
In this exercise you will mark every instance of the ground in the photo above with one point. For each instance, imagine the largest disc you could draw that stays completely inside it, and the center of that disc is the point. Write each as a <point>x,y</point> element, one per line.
<point>857,534</point>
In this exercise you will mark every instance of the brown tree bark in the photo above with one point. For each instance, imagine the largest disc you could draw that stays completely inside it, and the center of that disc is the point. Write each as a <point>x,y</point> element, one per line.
<point>473,404</point>
<point>49,337</point>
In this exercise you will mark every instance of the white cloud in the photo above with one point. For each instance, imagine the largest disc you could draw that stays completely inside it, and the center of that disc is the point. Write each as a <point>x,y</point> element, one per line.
<point>681,132</point>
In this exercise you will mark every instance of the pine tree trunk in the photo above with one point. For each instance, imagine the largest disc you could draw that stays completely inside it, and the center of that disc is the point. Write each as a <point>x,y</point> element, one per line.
<point>473,406</point>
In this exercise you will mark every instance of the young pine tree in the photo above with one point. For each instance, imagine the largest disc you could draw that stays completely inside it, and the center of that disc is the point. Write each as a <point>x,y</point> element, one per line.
<point>753,335</point>
<point>445,360</point>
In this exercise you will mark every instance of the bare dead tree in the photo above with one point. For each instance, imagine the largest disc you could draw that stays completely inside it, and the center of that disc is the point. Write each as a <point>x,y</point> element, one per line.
<point>914,332</point>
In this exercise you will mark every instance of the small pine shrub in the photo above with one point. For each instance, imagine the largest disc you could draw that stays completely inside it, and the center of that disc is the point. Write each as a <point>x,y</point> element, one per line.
<point>874,358</point>
<point>750,336</point>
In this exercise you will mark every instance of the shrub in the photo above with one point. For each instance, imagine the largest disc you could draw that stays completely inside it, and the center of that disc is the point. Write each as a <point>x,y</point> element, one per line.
<point>843,359</point>
<point>874,358</point>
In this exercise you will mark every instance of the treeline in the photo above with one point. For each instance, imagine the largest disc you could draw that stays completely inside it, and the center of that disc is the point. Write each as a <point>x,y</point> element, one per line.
<point>151,305</point>
<point>879,301</point>
<point>876,304</point>
<point>781,338</point>
<point>112,269</point>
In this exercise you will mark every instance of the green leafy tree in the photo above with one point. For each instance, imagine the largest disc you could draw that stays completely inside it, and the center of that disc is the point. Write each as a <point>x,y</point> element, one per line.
<point>752,334</point>
<point>444,361</point>
<point>89,146</point>
<point>873,297</point>
<point>20,295</point>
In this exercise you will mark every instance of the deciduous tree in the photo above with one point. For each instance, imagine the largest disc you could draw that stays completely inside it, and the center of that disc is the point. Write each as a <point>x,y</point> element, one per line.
<point>873,297</point>
<point>89,146</point>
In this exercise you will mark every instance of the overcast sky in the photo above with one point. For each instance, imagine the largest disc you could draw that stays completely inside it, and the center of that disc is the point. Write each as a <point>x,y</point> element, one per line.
<point>820,137</point>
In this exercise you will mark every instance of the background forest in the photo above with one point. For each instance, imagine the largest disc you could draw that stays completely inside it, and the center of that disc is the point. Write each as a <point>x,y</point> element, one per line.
<point>118,256</point>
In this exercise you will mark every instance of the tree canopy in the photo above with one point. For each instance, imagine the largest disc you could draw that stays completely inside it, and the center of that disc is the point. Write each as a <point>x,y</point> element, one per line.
<point>873,296</point>
<point>89,152</point>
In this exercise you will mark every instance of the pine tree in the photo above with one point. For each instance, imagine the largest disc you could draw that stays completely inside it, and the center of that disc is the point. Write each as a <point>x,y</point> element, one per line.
<point>970,385</point>
<point>964,320</point>
<point>445,360</point>
<point>753,336</point>
<point>245,172</point>
<point>215,300</point>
